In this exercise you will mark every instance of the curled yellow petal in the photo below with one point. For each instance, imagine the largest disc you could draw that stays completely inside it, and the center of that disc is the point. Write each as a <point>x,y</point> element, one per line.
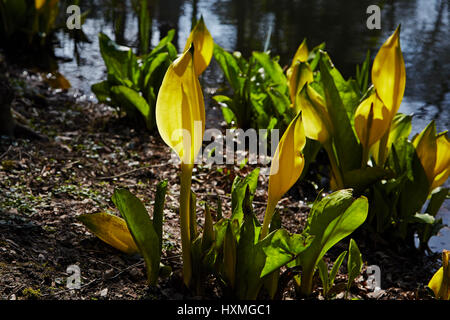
<point>203,45</point>
<point>372,120</point>
<point>426,149</point>
<point>287,166</point>
<point>297,76</point>
<point>180,109</point>
<point>110,229</point>
<point>440,282</point>
<point>442,166</point>
<point>315,116</point>
<point>301,54</point>
<point>388,73</point>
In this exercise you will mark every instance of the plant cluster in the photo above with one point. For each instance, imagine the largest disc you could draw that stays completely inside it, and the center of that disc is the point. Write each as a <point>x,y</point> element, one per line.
<point>381,177</point>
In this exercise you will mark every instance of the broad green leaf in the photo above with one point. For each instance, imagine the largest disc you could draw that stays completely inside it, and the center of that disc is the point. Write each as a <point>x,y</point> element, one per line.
<point>347,148</point>
<point>116,59</point>
<point>142,230</point>
<point>230,67</point>
<point>331,220</point>
<point>281,247</point>
<point>110,229</point>
<point>128,99</point>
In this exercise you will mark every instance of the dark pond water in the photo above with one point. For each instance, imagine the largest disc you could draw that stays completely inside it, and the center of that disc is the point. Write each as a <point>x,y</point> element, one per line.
<point>245,25</point>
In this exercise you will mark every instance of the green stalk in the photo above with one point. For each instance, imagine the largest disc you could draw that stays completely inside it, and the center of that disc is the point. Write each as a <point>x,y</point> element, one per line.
<point>383,148</point>
<point>306,282</point>
<point>334,166</point>
<point>185,194</point>
<point>270,209</point>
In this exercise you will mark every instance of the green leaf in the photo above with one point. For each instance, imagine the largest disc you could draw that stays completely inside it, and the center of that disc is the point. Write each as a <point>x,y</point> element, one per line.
<point>130,100</point>
<point>281,247</point>
<point>423,218</point>
<point>273,70</point>
<point>111,229</point>
<point>158,210</point>
<point>238,190</point>
<point>354,263</point>
<point>331,220</point>
<point>230,67</point>
<point>142,230</point>
<point>337,264</point>
<point>360,179</point>
<point>164,44</point>
<point>347,148</point>
<point>116,59</point>
<point>400,128</point>
<point>102,91</point>
<point>323,273</point>
<point>438,197</point>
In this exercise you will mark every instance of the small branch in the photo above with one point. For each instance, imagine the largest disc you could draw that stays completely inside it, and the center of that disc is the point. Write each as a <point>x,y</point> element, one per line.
<point>131,171</point>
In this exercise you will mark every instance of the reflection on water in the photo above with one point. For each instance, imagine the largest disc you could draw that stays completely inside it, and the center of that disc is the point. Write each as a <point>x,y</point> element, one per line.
<point>245,25</point>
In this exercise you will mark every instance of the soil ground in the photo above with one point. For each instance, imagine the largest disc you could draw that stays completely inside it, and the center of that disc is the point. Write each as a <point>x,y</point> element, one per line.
<point>45,185</point>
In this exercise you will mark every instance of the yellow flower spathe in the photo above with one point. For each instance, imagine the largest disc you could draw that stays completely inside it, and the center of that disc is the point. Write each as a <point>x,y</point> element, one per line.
<point>442,166</point>
<point>180,109</point>
<point>434,154</point>
<point>287,166</point>
<point>316,120</point>
<point>372,120</point>
<point>388,73</point>
<point>440,283</point>
<point>299,72</point>
<point>203,45</point>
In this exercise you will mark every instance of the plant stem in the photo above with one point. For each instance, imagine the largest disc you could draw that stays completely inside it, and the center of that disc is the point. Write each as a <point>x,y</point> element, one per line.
<point>306,282</point>
<point>334,166</point>
<point>185,194</point>
<point>383,148</point>
<point>270,209</point>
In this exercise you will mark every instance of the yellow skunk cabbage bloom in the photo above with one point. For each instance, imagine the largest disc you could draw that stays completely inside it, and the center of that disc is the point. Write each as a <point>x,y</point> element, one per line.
<point>180,109</point>
<point>297,78</point>
<point>434,154</point>
<point>301,54</point>
<point>203,44</point>
<point>180,117</point>
<point>287,166</point>
<point>442,166</point>
<point>388,73</point>
<point>426,147</point>
<point>298,73</point>
<point>372,120</point>
<point>316,120</point>
<point>440,283</point>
